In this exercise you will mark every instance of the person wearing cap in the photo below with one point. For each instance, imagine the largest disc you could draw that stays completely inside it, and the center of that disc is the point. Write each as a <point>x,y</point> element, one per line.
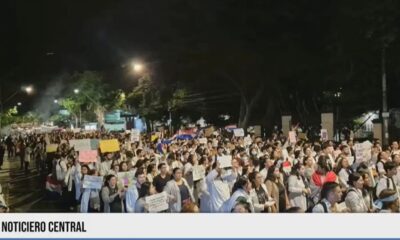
<point>388,201</point>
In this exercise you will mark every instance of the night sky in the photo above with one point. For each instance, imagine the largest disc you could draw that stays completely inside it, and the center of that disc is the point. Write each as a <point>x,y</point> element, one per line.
<point>42,40</point>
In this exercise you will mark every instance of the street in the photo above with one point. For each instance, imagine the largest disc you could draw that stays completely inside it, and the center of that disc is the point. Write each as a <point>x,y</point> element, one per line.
<point>25,192</point>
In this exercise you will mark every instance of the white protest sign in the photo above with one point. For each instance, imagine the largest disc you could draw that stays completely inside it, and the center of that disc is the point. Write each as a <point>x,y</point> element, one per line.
<point>238,132</point>
<point>125,178</point>
<point>359,149</point>
<point>324,135</point>
<point>92,182</point>
<point>135,135</point>
<point>203,140</point>
<point>292,137</point>
<point>157,202</point>
<point>199,172</point>
<point>225,161</point>
<point>80,144</point>
<point>351,160</point>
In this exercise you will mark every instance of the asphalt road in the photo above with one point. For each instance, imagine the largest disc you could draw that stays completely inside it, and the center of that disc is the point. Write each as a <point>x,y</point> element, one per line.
<point>25,192</point>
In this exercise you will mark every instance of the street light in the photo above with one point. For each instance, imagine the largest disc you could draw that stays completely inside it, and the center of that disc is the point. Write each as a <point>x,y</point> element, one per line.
<point>55,101</point>
<point>76,91</point>
<point>28,89</point>
<point>137,67</point>
<point>19,103</point>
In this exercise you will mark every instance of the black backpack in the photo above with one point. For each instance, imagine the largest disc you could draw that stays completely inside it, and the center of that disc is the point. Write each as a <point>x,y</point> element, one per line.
<point>309,210</point>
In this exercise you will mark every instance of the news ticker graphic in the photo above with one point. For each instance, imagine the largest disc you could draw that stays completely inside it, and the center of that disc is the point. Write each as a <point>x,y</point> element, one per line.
<point>198,226</point>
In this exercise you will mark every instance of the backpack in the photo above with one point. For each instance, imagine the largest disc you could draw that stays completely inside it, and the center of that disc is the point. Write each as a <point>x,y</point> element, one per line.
<point>376,197</point>
<point>309,210</point>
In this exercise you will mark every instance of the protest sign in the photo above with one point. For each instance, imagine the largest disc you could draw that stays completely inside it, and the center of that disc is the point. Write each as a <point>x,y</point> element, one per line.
<point>292,137</point>
<point>92,182</point>
<point>199,172</point>
<point>203,140</point>
<point>225,161</point>
<point>135,135</point>
<point>50,148</point>
<point>111,145</point>
<point>80,144</point>
<point>238,132</point>
<point>359,152</point>
<point>324,135</point>
<point>125,179</point>
<point>76,130</point>
<point>94,144</point>
<point>157,202</point>
<point>88,156</point>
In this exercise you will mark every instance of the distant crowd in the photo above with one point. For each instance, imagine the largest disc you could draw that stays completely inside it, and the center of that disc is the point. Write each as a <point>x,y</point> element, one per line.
<point>212,173</point>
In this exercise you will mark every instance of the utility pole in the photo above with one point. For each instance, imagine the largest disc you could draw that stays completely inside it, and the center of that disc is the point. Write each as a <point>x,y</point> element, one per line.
<point>385,113</point>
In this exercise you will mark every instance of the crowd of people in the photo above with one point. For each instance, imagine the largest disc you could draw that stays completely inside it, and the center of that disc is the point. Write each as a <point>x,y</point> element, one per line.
<point>271,175</point>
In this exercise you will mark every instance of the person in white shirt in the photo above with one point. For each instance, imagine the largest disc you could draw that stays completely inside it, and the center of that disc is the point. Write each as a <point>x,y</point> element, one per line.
<point>383,158</point>
<point>218,187</point>
<point>105,166</point>
<point>298,188</point>
<point>387,181</point>
<point>241,189</point>
<point>331,194</point>
<point>343,170</point>
<point>354,198</point>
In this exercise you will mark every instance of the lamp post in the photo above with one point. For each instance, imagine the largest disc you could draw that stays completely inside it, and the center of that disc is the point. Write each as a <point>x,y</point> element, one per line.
<point>27,89</point>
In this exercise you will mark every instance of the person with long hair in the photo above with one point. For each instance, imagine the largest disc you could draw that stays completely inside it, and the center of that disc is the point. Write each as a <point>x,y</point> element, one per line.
<point>261,200</point>
<point>179,191</point>
<point>343,170</point>
<point>112,196</point>
<point>277,189</point>
<point>354,197</point>
<point>298,187</point>
<point>321,176</point>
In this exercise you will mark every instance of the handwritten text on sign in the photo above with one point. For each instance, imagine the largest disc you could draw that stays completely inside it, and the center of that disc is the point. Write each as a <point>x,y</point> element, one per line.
<point>157,202</point>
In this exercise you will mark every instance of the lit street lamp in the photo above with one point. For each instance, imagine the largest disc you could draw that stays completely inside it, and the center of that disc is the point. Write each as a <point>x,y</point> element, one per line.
<point>137,67</point>
<point>76,91</point>
<point>27,89</point>
<point>55,101</point>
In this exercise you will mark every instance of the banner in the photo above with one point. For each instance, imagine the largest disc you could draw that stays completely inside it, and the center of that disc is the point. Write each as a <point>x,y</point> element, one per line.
<point>157,202</point>
<point>135,135</point>
<point>238,132</point>
<point>111,145</point>
<point>88,156</point>
<point>292,137</point>
<point>80,144</point>
<point>225,161</point>
<point>199,172</point>
<point>50,148</point>
<point>92,182</point>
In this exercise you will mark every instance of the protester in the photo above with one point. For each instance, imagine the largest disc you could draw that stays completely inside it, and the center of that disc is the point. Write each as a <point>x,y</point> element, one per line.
<point>331,194</point>
<point>112,196</point>
<point>261,200</point>
<point>388,201</point>
<point>354,197</point>
<point>298,187</point>
<point>179,192</point>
